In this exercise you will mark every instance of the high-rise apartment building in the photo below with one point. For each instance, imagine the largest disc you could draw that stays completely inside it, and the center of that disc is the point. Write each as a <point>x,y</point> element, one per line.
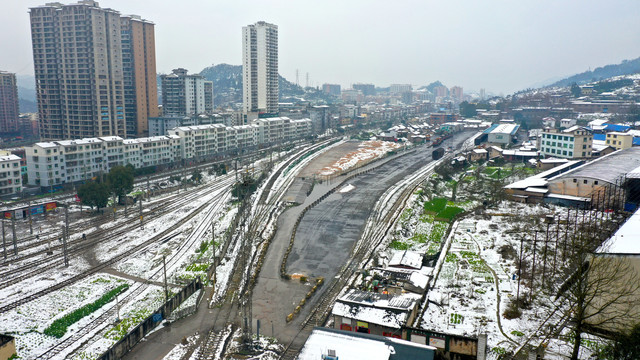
<point>139,65</point>
<point>400,88</point>
<point>331,89</point>
<point>457,93</point>
<point>87,76</point>
<point>9,113</point>
<point>367,89</point>
<point>184,94</point>
<point>260,68</point>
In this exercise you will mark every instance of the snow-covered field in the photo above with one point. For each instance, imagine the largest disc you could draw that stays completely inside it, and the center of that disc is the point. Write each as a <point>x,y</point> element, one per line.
<point>367,151</point>
<point>479,275</point>
<point>27,322</point>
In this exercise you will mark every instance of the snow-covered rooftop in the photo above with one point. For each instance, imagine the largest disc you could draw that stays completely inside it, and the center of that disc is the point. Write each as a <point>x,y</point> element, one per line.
<point>406,258</point>
<point>626,240</point>
<point>607,168</point>
<point>352,345</point>
<point>381,309</point>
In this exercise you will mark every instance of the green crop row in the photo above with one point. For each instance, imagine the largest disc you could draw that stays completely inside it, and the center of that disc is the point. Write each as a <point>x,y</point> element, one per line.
<point>59,327</point>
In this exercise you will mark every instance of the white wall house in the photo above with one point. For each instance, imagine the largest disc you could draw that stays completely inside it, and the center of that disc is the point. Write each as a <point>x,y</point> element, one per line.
<point>69,161</point>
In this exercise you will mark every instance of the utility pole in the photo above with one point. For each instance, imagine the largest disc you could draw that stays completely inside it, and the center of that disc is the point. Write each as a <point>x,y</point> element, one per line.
<point>30,220</point>
<point>215,261</point>
<point>117,309</point>
<point>164,267</point>
<point>15,239</point>
<point>65,235</point>
<point>148,194</point>
<point>4,240</point>
<point>140,207</point>
<point>520,267</point>
<point>64,247</point>
<point>114,207</point>
<point>66,219</point>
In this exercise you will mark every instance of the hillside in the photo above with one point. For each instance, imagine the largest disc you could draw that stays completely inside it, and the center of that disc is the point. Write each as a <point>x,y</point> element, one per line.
<point>227,83</point>
<point>626,67</point>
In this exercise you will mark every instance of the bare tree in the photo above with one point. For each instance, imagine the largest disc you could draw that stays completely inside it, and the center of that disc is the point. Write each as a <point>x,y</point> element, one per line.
<point>603,293</point>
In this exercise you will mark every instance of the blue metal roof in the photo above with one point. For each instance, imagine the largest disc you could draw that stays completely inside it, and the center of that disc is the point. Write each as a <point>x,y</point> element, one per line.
<point>636,141</point>
<point>490,129</point>
<point>616,127</point>
<point>600,137</point>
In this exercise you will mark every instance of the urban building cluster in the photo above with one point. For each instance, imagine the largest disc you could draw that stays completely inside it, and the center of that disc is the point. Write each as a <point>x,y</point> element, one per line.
<point>70,161</point>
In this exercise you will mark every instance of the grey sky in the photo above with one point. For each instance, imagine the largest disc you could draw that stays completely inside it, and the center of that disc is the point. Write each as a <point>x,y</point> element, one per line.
<point>503,46</point>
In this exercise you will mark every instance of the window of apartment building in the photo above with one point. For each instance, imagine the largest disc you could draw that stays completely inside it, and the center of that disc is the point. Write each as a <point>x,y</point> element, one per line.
<point>575,180</point>
<point>570,153</point>
<point>584,146</point>
<point>553,137</point>
<point>584,154</point>
<point>585,181</point>
<point>564,152</point>
<point>595,182</point>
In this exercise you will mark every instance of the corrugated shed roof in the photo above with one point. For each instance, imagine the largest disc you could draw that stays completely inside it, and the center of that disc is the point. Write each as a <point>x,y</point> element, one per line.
<point>607,168</point>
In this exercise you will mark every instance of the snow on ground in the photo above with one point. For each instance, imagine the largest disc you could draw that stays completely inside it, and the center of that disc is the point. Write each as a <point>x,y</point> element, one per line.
<point>477,283</point>
<point>368,151</point>
<point>27,322</point>
<point>180,350</point>
<point>347,188</point>
<point>44,280</point>
<point>131,314</point>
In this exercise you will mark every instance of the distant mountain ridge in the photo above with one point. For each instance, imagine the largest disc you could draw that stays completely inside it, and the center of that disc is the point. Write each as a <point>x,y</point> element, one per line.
<point>626,67</point>
<point>227,83</point>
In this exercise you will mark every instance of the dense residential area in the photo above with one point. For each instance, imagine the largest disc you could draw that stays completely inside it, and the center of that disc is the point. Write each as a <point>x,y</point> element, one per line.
<point>155,212</point>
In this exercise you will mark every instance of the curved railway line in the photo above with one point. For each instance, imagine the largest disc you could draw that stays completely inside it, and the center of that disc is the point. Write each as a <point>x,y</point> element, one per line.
<point>382,220</point>
<point>238,291</point>
<point>79,246</point>
<point>173,261</point>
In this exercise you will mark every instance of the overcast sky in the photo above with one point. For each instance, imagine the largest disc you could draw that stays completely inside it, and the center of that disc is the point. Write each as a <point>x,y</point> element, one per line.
<point>502,46</point>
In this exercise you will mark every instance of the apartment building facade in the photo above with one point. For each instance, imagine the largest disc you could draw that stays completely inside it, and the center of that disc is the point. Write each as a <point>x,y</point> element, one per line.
<point>9,111</point>
<point>70,161</point>
<point>10,175</point>
<point>575,142</point>
<point>186,95</point>
<point>139,67</point>
<point>619,140</point>
<point>260,68</point>
<point>77,54</point>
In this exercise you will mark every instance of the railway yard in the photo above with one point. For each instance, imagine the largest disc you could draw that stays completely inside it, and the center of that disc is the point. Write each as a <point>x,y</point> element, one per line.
<point>238,248</point>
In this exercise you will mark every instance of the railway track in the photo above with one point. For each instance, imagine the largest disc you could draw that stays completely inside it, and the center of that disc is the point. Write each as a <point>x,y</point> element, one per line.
<point>174,260</point>
<point>382,220</point>
<point>94,226</point>
<point>80,245</point>
<point>238,290</point>
<point>102,265</point>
